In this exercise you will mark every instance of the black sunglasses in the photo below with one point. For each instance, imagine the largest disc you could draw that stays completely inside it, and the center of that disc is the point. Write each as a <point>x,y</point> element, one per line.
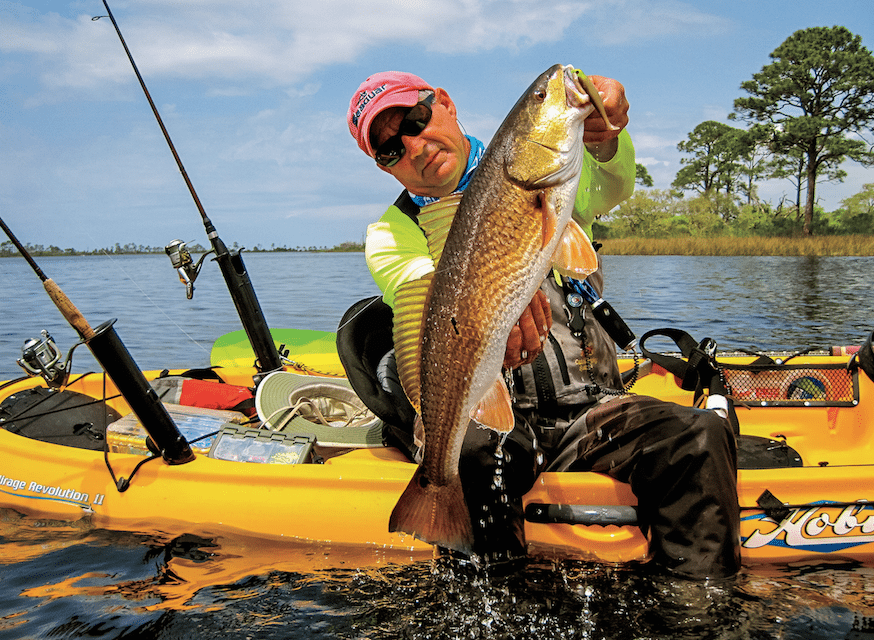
<point>416,119</point>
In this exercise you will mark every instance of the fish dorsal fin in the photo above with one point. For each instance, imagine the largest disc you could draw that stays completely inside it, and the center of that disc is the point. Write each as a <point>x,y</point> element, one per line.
<point>411,302</point>
<point>574,256</point>
<point>495,409</point>
<point>435,220</point>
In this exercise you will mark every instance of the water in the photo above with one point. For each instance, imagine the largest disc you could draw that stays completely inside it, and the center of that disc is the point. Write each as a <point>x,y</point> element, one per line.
<point>73,580</point>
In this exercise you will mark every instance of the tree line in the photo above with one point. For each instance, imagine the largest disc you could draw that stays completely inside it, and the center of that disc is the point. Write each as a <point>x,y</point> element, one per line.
<point>807,112</point>
<point>7,249</point>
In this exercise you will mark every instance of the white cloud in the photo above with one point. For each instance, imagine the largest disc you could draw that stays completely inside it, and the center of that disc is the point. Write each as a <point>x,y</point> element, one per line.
<point>271,42</point>
<point>652,162</point>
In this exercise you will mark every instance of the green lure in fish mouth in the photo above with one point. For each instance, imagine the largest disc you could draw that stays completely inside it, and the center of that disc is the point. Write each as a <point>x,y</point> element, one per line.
<point>584,83</point>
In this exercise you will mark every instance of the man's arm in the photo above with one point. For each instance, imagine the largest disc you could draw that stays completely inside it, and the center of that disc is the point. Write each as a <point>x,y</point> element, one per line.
<point>396,252</point>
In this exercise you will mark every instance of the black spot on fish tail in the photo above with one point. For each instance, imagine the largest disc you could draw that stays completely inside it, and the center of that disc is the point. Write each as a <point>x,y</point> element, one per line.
<point>455,326</point>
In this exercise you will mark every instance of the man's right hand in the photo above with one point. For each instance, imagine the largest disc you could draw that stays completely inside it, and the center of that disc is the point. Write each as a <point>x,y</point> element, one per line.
<point>528,336</point>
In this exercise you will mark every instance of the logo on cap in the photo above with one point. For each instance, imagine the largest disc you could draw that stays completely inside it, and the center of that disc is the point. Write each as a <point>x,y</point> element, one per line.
<point>364,99</point>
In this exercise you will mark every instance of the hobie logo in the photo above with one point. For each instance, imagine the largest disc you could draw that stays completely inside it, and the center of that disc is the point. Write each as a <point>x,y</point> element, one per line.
<point>817,528</point>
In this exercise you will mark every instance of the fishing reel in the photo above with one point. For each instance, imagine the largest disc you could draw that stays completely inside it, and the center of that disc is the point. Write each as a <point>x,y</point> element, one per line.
<point>43,358</point>
<point>181,260</point>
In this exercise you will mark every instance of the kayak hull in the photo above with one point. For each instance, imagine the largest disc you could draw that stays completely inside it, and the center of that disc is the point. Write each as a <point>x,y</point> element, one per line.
<point>347,500</point>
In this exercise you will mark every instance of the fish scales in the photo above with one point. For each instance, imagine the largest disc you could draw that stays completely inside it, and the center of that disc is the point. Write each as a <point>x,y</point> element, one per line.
<point>452,326</point>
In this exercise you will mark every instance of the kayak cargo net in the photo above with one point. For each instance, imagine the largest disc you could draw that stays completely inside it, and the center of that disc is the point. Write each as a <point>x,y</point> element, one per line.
<point>789,385</point>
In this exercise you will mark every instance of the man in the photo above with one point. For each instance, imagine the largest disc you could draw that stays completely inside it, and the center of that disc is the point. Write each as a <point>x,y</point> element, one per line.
<point>571,409</point>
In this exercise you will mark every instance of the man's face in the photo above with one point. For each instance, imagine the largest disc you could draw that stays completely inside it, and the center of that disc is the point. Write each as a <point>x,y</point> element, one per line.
<point>435,159</point>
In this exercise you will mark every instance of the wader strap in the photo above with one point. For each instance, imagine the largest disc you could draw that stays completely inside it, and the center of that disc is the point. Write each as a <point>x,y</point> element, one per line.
<point>406,205</point>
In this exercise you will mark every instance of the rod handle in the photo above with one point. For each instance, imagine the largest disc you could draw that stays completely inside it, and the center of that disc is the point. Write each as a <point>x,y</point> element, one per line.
<point>68,309</point>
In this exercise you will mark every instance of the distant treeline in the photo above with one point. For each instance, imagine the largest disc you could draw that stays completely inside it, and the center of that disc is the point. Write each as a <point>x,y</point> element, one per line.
<point>7,249</point>
<point>826,245</point>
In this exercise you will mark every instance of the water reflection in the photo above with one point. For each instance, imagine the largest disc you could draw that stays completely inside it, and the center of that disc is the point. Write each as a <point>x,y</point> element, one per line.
<point>66,580</point>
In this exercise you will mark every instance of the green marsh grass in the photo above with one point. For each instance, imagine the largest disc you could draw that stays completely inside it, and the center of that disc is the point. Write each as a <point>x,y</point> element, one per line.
<point>857,245</point>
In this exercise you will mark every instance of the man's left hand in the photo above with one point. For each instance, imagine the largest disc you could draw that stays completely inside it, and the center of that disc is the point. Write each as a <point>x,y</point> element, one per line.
<point>615,104</point>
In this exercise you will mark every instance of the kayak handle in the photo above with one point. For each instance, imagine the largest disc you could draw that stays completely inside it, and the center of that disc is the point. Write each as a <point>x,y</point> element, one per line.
<point>603,515</point>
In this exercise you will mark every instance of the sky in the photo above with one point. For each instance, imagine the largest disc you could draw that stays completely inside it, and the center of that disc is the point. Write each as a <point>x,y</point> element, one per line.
<point>254,96</point>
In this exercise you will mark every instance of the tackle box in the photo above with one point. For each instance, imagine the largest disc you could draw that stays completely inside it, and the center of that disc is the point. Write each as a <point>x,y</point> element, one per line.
<point>262,445</point>
<point>127,434</point>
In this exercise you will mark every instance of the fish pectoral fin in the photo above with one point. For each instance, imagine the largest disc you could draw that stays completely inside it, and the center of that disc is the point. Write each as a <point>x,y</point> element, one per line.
<point>495,410</point>
<point>550,218</point>
<point>574,256</point>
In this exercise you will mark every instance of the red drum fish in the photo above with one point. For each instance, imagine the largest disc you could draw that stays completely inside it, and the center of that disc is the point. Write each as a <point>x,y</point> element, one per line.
<point>492,246</point>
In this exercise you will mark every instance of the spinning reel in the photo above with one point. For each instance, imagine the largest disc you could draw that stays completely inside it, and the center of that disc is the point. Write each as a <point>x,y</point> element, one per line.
<point>41,357</point>
<point>181,260</point>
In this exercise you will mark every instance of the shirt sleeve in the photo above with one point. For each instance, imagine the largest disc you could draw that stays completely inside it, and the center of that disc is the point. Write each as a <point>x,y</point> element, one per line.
<point>396,252</point>
<point>603,185</point>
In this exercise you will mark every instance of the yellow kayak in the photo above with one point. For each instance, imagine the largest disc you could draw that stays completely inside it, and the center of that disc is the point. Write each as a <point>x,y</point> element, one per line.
<point>301,477</point>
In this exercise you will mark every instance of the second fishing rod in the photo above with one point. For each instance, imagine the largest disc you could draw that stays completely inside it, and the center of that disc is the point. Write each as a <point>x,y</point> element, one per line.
<point>230,263</point>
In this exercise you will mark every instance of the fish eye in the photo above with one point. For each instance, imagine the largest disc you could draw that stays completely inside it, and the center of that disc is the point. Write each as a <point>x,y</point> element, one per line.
<point>540,95</point>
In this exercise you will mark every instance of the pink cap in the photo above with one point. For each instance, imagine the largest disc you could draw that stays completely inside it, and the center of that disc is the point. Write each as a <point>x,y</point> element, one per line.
<point>378,93</point>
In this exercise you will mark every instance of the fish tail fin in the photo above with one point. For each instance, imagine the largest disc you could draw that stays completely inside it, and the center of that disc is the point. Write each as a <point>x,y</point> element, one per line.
<point>434,514</point>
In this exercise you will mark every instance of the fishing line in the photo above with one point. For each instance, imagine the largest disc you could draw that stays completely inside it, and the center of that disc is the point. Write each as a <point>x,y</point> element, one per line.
<point>231,264</point>
<point>359,312</point>
<point>147,297</point>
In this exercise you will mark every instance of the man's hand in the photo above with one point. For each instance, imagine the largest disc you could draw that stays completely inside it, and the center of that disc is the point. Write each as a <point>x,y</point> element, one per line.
<point>528,336</point>
<point>615,104</point>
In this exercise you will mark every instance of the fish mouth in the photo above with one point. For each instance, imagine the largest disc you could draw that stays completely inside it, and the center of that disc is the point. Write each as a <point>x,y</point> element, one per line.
<point>575,92</point>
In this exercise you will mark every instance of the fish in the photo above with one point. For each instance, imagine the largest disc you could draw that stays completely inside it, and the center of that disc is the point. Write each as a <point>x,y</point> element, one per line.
<point>492,245</point>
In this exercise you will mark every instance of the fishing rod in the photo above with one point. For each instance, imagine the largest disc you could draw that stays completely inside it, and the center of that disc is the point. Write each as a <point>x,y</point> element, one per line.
<point>231,263</point>
<point>116,360</point>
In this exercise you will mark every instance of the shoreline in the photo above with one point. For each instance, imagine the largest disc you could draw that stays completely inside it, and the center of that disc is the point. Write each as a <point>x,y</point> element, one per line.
<point>813,246</point>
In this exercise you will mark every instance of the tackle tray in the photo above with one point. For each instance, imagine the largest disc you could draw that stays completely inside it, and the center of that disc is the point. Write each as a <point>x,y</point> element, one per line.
<point>262,445</point>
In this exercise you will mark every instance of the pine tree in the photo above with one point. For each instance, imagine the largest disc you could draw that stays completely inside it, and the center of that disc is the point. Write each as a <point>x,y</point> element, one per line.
<point>819,96</point>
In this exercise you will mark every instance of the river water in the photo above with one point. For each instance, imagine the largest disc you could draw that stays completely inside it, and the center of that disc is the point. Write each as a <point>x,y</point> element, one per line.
<point>71,580</point>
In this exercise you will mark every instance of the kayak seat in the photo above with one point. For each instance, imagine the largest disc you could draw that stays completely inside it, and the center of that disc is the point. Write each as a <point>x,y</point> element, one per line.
<point>866,356</point>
